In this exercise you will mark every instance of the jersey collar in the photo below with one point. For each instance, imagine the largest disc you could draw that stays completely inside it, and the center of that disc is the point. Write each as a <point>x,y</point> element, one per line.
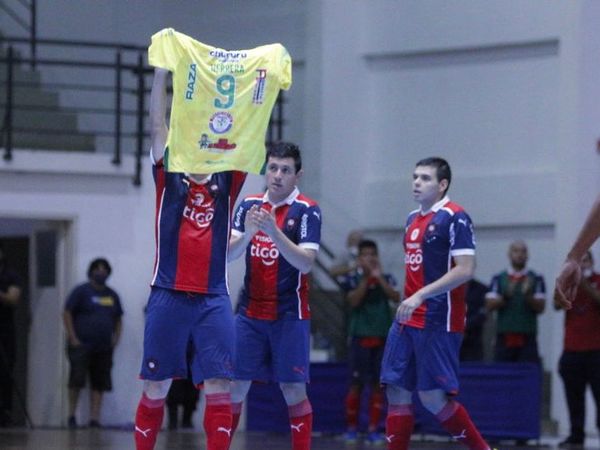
<point>287,201</point>
<point>518,273</point>
<point>436,206</point>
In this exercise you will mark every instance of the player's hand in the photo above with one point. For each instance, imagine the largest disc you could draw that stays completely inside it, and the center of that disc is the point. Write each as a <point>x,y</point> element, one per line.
<point>567,282</point>
<point>251,223</point>
<point>266,221</point>
<point>408,306</point>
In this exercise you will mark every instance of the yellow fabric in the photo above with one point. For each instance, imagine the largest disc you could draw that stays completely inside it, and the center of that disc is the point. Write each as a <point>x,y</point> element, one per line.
<point>222,102</point>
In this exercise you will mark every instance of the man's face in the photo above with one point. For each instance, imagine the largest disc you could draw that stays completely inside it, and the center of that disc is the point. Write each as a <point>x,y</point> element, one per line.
<point>368,258</point>
<point>281,178</point>
<point>427,190</point>
<point>517,253</point>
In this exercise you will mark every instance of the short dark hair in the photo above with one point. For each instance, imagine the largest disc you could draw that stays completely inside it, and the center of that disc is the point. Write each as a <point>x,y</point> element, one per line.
<point>442,168</point>
<point>97,263</point>
<point>367,243</point>
<point>281,149</point>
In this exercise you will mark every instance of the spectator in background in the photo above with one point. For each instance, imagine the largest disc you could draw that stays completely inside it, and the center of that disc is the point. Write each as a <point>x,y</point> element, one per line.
<point>568,278</point>
<point>369,291</point>
<point>10,296</point>
<point>346,261</point>
<point>472,344</point>
<point>519,296</point>
<point>92,319</point>
<point>579,364</point>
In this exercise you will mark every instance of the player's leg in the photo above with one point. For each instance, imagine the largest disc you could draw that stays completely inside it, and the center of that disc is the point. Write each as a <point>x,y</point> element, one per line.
<point>213,339</point>
<point>399,377</point>
<point>573,374</point>
<point>79,363</point>
<point>290,343</point>
<point>358,361</point>
<point>437,375</point>
<point>170,316</point>
<point>100,381</point>
<point>376,398</point>
<point>253,363</point>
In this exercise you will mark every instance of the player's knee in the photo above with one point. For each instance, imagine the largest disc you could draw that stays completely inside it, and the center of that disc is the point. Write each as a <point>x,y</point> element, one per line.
<point>239,390</point>
<point>157,389</point>
<point>217,386</point>
<point>433,401</point>
<point>293,393</point>
<point>397,395</point>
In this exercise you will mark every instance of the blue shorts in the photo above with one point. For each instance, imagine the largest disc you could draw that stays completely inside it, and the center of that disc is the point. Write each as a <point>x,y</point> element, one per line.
<point>175,319</point>
<point>272,350</point>
<point>421,359</point>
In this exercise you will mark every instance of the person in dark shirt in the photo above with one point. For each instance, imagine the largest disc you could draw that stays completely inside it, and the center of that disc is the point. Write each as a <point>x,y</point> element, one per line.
<point>10,296</point>
<point>472,345</point>
<point>92,319</point>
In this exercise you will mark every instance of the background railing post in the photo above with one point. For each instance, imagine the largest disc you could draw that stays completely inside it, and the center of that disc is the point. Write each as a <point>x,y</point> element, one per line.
<point>140,121</point>
<point>117,157</point>
<point>8,119</point>
<point>33,32</point>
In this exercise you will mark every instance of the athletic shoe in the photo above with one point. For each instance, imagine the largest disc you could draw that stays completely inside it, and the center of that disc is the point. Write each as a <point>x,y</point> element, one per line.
<point>351,437</point>
<point>571,442</point>
<point>374,438</point>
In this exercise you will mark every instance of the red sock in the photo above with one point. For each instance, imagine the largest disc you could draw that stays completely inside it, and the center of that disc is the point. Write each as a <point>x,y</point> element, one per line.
<point>456,421</point>
<point>301,424</point>
<point>352,407</point>
<point>375,409</point>
<point>217,421</point>
<point>148,420</point>
<point>399,426</point>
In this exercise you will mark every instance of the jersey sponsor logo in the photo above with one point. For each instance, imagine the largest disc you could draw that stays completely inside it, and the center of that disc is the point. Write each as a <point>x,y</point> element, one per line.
<point>191,84</point>
<point>225,56</point>
<point>220,122</point>
<point>237,221</point>
<point>413,245</point>
<point>221,146</point>
<point>304,226</point>
<point>414,260</point>
<point>268,255</point>
<point>199,212</point>
<point>260,83</point>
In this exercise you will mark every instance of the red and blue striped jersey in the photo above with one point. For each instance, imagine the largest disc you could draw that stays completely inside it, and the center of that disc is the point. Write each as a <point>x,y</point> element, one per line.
<point>431,241</point>
<point>192,226</point>
<point>273,288</point>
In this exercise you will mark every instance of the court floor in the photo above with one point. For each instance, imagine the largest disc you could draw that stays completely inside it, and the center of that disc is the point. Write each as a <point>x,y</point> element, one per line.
<point>108,439</point>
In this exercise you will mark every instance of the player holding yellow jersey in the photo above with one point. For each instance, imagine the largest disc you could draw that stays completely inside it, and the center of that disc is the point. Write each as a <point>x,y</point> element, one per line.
<point>222,101</point>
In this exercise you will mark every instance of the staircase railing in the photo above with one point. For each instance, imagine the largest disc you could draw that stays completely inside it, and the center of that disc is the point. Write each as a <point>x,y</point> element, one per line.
<point>27,23</point>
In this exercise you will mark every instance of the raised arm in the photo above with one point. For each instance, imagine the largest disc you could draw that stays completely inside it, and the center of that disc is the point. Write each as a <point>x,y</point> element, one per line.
<point>158,113</point>
<point>570,274</point>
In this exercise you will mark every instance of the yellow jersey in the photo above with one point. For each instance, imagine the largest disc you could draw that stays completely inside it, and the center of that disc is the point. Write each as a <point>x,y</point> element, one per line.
<point>222,102</point>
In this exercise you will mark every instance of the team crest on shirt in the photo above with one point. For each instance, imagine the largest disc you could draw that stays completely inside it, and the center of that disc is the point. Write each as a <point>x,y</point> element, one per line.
<point>220,122</point>
<point>290,224</point>
<point>414,234</point>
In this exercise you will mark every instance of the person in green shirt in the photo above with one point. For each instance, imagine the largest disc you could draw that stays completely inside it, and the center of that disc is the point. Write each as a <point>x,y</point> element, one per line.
<point>369,291</point>
<point>519,296</point>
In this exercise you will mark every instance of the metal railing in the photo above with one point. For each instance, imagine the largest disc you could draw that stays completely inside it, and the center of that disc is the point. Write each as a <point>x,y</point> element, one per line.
<point>27,23</point>
<point>119,105</point>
